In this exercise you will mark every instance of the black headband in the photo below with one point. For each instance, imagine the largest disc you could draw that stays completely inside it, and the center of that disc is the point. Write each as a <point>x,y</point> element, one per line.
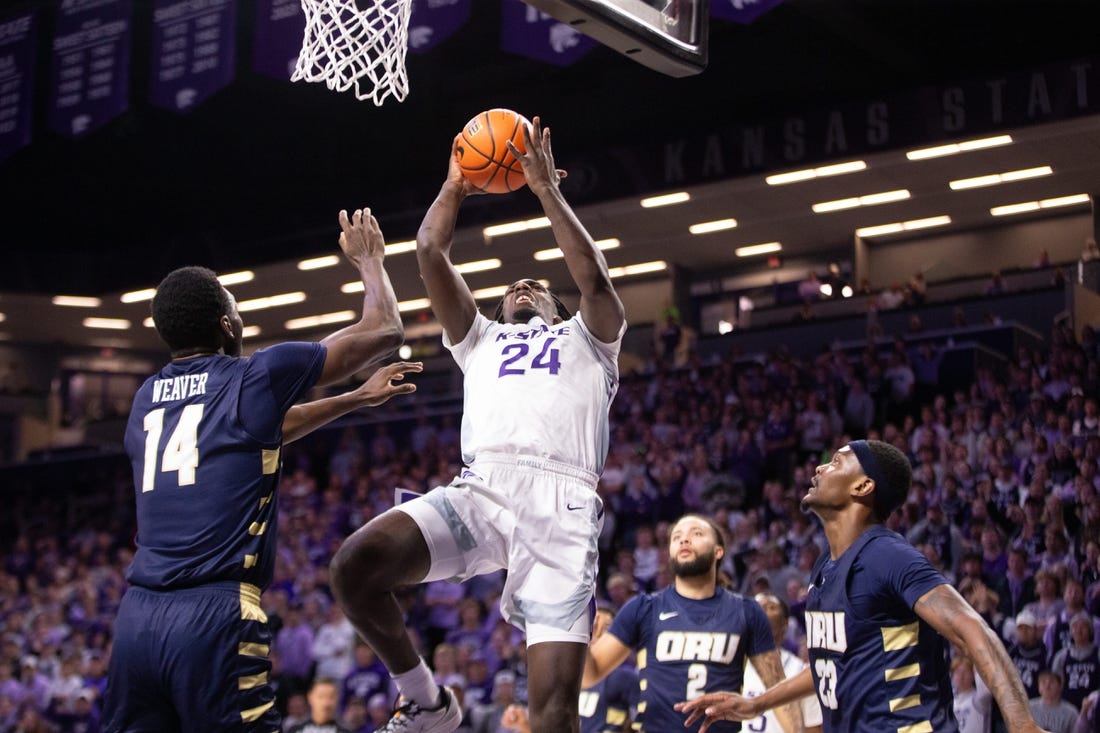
<point>867,461</point>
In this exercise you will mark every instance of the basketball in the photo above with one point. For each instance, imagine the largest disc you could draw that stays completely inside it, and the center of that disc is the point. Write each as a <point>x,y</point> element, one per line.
<point>484,158</point>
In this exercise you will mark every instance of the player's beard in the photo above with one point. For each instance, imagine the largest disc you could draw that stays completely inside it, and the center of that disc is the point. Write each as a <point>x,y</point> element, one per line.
<point>701,564</point>
<point>524,313</point>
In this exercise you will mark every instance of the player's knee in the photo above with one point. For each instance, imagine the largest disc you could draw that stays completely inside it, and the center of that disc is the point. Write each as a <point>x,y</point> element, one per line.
<point>357,567</point>
<point>556,714</point>
<point>552,708</point>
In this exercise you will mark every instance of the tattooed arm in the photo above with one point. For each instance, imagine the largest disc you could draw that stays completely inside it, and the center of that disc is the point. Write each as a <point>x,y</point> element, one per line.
<point>770,668</point>
<point>948,613</point>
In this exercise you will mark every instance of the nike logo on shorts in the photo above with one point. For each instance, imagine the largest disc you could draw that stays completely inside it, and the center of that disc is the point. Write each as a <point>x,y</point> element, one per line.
<point>572,508</point>
<point>666,615</point>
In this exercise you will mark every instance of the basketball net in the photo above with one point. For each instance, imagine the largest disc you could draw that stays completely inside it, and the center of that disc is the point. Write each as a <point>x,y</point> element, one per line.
<point>345,47</point>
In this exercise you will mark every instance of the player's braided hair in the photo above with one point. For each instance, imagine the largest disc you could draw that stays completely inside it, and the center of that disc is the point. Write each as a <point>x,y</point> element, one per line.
<point>562,311</point>
<point>187,307</point>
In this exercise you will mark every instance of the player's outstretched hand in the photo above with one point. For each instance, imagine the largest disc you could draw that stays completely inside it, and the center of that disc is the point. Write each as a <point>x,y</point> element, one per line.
<point>454,172</point>
<point>715,706</point>
<point>538,161</point>
<point>381,385</point>
<point>514,718</point>
<point>361,238</point>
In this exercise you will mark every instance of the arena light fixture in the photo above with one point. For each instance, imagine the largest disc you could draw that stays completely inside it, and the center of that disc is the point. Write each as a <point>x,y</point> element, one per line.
<point>555,253</point>
<point>1009,209</point>
<point>397,248</point>
<point>137,296</point>
<point>498,291</point>
<point>836,169</point>
<point>271,301</point>
<point>76,301</point>
<point>478,265</point>
<point>250,331</point>
<point>871,199</point>
<point>718,225</point>
<point>752,250</point>
<point>966,146</point>
<point>903,226</point>
<point>236,278</point>
<point>725,327</point>
<point>318,263</point>
<point>516,226</point>
<point>148,322</point>
<point>667,199</point>
<point>111,324</point>
<point>324,319</point>
<point>416,304</point>
<point>3,317</point>
<point>994,179</point>
<point>639,268</point>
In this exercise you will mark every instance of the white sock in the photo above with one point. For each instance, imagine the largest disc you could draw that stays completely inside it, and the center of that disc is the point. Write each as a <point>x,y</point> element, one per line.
<point>419,686</point>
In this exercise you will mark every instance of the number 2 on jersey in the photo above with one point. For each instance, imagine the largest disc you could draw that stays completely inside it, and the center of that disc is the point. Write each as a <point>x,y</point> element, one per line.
<point>181,454</point>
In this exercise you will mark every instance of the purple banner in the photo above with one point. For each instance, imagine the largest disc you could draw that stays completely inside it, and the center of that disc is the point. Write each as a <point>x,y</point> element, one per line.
<point>90,78</point>
<point>433,21</point>
<point>280,27</point>
<point>17,43</point>
<point>194,51</point>
<point>527,32</point>
<point>741,11</point>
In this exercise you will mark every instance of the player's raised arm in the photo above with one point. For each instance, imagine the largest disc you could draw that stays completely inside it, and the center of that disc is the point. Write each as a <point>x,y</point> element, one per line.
<point>303,419</point>
<point>452,302</point>
<point>379,330</point>
<point>604,655</point>
<point>949,613</point>
<point>600,305</point>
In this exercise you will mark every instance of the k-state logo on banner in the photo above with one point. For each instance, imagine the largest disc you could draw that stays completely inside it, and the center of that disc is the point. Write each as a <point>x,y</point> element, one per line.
<point>433,21</point>
<point>17,43</point>
<point>741,11</point>
<point>527,32</point>
<point>193,51</point>
<point>90,79</point>
<point>280,28</point>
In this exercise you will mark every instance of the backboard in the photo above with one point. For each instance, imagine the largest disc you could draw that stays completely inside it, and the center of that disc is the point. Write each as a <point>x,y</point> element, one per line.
<point>669,36</point>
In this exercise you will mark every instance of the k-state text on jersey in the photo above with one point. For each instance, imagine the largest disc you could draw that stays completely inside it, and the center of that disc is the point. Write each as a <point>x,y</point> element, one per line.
<point>535,332</point>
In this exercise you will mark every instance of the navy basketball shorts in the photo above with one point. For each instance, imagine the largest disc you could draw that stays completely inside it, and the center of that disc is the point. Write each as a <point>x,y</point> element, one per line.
<point>190,660</point>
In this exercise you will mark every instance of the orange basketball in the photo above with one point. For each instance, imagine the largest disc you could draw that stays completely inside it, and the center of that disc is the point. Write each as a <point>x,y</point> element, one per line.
<point>484,158</point>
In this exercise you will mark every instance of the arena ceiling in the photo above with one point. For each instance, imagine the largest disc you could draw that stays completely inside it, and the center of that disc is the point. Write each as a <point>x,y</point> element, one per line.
<point>253,178</point>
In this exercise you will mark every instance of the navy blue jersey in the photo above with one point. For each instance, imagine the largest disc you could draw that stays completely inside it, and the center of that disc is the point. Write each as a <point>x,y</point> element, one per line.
<point>1029,663</point>
<point>688,647</point>
<point>203,438</point>
<point>876,664</point>
<point>1080,670</point>
<point>606,705</point>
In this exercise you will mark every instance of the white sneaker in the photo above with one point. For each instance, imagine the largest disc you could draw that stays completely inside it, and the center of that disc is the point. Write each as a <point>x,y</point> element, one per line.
<point>411,718</point>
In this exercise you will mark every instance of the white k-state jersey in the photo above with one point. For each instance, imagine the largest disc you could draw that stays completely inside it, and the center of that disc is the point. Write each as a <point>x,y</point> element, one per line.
<point>535,389</point>
<point>766,723</point>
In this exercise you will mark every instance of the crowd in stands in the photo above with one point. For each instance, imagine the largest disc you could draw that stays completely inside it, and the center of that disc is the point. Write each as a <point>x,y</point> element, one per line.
<point>1005,502</point>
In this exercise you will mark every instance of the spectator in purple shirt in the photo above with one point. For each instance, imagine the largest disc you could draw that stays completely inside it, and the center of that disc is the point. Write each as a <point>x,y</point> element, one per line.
<point>294,644</point>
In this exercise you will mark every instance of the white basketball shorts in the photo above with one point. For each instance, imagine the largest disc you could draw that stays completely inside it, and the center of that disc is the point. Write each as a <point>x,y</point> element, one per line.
<point>539,519</point>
